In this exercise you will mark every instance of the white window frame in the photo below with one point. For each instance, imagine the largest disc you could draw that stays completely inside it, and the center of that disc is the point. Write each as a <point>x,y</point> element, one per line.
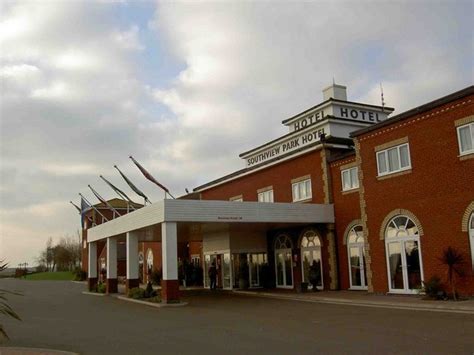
<point>353,184</point>
<point>238,198</point>
<point>471,237</point>
<point>306,196</point>
<point>362,257</point>
<point>284,251</point>
<point>265,196</point>
<point>471,129</point>
<point>385,153</point>
<point>401,241</point>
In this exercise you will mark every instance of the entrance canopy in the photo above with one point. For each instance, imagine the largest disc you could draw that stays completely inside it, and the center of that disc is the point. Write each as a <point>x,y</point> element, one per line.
<point>212,212</point>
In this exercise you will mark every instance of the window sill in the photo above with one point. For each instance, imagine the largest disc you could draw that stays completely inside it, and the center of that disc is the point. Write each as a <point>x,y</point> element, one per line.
<point>346,192</point>
<point>466,156</point>
<point>391,175</point>
<point>309,199</point>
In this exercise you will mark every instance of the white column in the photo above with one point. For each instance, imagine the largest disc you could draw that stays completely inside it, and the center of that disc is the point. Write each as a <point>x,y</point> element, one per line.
<point>92,267</point>
<point>132,256</point>
<point>112,258</point>
<point>169,250</point>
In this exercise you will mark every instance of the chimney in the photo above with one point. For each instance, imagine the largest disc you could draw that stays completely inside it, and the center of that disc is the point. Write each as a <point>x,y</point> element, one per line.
<point>338,92</point>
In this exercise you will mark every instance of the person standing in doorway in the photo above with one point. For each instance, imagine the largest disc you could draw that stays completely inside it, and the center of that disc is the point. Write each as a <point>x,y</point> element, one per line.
<point>212,272</point>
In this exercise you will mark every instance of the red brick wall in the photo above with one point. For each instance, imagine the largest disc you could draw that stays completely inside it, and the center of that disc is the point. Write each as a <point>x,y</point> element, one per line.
<point>157,258</point>
<point>346,210</point>
<point>279,176</point>
<point>195,247</point>
<point>437,191</point>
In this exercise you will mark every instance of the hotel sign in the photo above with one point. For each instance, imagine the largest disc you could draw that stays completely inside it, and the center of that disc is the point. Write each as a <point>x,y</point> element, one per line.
<point>352,113</point>
<point>285,146</point>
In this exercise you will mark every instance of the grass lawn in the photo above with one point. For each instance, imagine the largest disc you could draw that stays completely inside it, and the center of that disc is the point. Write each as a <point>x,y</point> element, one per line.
<point>59,275</point>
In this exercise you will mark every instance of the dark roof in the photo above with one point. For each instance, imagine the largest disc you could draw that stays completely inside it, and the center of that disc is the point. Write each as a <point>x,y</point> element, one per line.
<point>337,101</point>
<point>417,110</point>
<point>345,155</point>
<point>117,203</point>
<point>333,140</point>
<point>190,196</point>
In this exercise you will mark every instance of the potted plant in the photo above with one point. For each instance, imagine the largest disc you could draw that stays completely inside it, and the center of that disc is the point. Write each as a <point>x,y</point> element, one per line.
<point>454,261</point>
<point>314,275</point>
<point>244,275</point>
<point>304,287</point>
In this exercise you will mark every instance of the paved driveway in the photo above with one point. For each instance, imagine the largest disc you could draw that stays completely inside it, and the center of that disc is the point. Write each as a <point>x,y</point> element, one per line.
<point>56,315</point>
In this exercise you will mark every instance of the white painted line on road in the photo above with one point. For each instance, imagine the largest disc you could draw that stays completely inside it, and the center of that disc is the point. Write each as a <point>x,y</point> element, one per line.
<point>151,304</point>
<point>93,293</point>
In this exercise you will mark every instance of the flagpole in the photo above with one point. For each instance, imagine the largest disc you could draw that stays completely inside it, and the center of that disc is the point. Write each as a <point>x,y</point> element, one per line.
<point>151,178</point>
<point>77,207</point>
<point>119,193</point>
<point>95,209</point>
<point>101,199</point>
<point>132,186</point>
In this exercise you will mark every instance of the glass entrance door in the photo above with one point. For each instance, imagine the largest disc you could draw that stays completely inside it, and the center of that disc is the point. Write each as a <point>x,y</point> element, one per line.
<point>284,268</point>
<point>404,265</point>
<point>311,263</point>
<point>312,257</point>
<point>357,267</point>
<point>224,270</point>
<point>283,262</point>
<point>208,261</point>
<point>255,264</point>
<point>356,254</point>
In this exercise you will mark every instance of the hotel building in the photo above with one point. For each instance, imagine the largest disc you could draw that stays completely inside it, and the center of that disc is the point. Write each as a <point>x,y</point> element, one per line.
<point>367,200</point>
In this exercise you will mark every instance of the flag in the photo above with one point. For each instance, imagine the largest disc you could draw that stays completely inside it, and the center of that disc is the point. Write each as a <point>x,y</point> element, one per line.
<point>101,199</point>
<point>85,205</point>
<point>117,190</point>
<point>132,186</point>
<point>148,175</point>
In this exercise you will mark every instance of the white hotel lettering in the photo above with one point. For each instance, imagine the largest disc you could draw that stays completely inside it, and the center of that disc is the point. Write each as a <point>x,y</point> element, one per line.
<point>282,148</point>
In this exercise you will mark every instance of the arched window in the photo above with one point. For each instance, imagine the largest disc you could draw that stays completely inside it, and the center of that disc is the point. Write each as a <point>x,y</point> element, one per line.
<point>311,262</point>
<point>471,238</point>
<point>356,255</point>
<point>402,245</point>
<point>283,261</point>
<point>283,242</point>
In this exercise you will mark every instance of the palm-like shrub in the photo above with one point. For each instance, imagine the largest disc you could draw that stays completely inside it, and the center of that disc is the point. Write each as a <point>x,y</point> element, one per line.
<point>454,261</point>
<point>5,308</point>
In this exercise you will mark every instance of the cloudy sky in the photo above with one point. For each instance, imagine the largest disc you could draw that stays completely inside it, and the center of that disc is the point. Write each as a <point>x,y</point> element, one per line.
<point>185,87</point>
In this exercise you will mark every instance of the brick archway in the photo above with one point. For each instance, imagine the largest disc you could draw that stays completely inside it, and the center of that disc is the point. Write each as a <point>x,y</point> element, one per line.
<point>466,216</point>
<point>356,222</point>
<point>398,212</point>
